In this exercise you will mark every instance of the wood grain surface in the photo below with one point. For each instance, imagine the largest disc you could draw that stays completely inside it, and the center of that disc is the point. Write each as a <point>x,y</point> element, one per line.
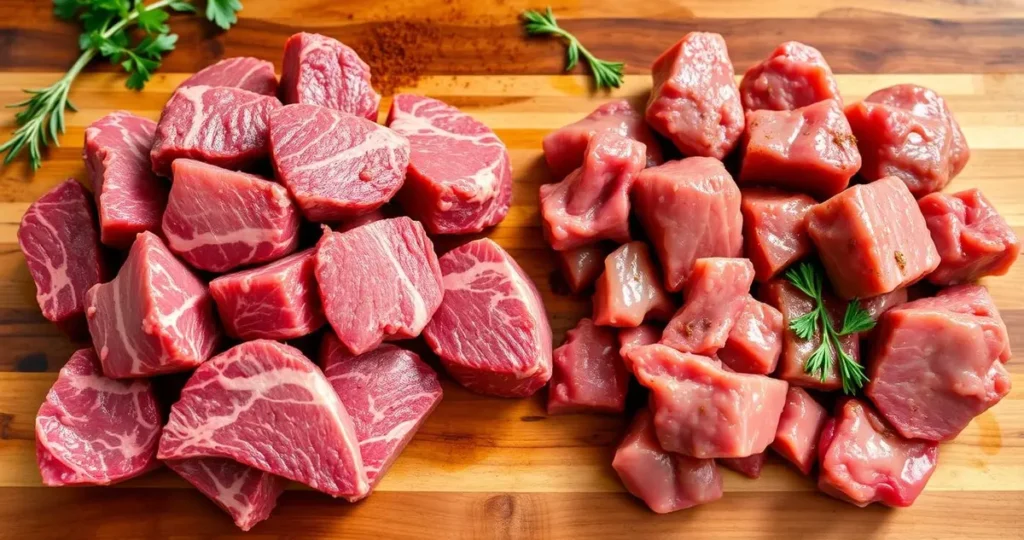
<point>494,468</point>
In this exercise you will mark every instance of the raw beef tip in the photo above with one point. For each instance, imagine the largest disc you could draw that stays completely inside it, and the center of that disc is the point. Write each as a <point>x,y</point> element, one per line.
<point>877,305</point>
<point>800,429</point>
<point>491,331</point>
<point>389,392</point>
<point>810,149</point>
<point>589,376</point>
<point>755,341</point>
<point>155,317</point>
<point>716,295</point>
<point>695,102</point>
<point>774,230</point>
<point>265,405</point>
<point>129,196</point>
<point>564,148</point>
<point>336,165</point>
<point>689,209</point>
<point>704,411</point>
<point>379,281</point>
<point>864,461</point>
<point>322,71</point>
<point>460,175</point>
<point>582,266</point>
<point>592,203</point>
<point>872,239</point>
<point>249,495</point>
<point>795,75</point>
<point>61,245</point>
<point>277,301</point>
<point>226,127</point>
<point>908,131</point>
<point>972,239</point>
<point>665,481</point>
<point>218,220</point>
<point>749,466</point>
<point>630,338</point>
<point>938,363</point>
<point>92,430</point>
<point>630,289</point>
<point>243,72</point>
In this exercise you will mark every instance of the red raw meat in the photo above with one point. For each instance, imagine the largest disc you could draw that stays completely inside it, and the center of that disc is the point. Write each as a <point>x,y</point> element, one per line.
<point>322,71</point>
<point>249,495</point>
<point>130,198</point>
<point>155,317</point>
<point>800,428</point>
<point>92,430</point>
<point>243,72</point>
<point>581,266</point>
<point>716,295</point>
<point>630,338</point>
<point>695,102</point>
<point>877,305</point>
<point>491,331</point>
<point>749,466</point>
<point>460,175</point>
<point>755,341</point>
<point>222,126</point>
<point>265,405</point>
<point>218,220</point>
<point>795,75</point>
<point>589,376</point>
<point>774,230</point>
<point>629,290</point>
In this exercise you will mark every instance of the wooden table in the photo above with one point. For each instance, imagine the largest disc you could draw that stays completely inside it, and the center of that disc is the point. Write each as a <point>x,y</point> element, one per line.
<point>500,468</point>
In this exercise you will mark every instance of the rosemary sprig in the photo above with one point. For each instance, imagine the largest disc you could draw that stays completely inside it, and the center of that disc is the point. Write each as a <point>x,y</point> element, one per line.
<point>606,74</point>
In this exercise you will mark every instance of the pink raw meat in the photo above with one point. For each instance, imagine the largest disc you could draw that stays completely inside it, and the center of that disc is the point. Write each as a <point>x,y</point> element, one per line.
<point>460,176</point>
<point>716,296</point>
<point>222,126</point>
<point>336,165</point>
<point>322,71</point>
<point>249,495</point>
<point>589,376</point>
<point>276,301</point>
<point>749,466</point>
<point>755,341</point>
<point>92,430</point>
<point>794,76</point>
<point>629,338</point>
<point>265,405</point>
<point>61,245</point>
<point>155,317</point>
<point>774,230</point>
<point>581,266</point>
<point>389,392</point>
<point>629,290</point>
<point>379,281</point>
<point>218,220</point>
<point>243,72</point>
<point>491,331</point>
<point>130,198</point>
<point>800,429</point>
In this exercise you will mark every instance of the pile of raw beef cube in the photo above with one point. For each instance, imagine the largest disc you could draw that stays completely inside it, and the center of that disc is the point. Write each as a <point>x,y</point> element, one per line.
<point>217,267</point>
<point>728,373</point>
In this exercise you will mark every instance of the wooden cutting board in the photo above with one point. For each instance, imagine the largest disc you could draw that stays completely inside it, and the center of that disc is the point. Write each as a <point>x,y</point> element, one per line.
<point>483,467</point>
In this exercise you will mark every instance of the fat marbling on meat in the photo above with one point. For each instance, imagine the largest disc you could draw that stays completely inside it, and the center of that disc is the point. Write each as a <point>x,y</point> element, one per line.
<point>243,72</point>
<point>322,71</point>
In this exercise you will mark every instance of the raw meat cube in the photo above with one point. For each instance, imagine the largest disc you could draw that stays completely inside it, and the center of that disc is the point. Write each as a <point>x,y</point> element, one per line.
<point>755,341</point>
<point>800,429</point>
<point>322,71</point>
<point>629,290</point>
<point>243,72</point>
<point>491,331</point>
<point>665,481</point>
<point>61,245</point>
<point>907,131</point>
<point>749,466</point>
<point>810,150</point>
<point>877,305</point>
<point>792,303</point>
<point>565,148</point>
<point>589,376</point>
<point>277,301</point>
<point>155,317</point>
<point>872,239</point>
<point>864,461</point>
<point>365,219</point>
<point>336,165</point>
<point>689,209</point>
<point>460,175</point>
<point>265,405</point>
<point>379,281</point>
<point>226,127</point>
<point>695,102</point>
<point>645,334</point>
<point>389,392</point>
<point>92,430</point>
<point>704,411</point>
<point>716,296</point>
<point>938,363</point>
<point>130,198</point>
<point>592,203</point>
<point>795,75</point>
<point>774,230</point>
<point>581,266</point>
<point>218,220</point>
<point>972,239</point>
<point>249,495</point>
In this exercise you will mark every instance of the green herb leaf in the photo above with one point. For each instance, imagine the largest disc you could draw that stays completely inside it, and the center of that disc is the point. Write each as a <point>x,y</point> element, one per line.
<point>856,319</point>
<point>152,21</point>
<point>606,74</point>
<point>223,13</point>
<point>66,9</point>
<point>820,361</point>
<point>806,325</point>
<point>182,6</point>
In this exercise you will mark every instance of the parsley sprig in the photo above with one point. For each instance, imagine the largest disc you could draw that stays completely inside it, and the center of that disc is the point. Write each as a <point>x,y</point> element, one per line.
<point>106,31</point>
<point>606,74</point>
<point>807,277</point>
